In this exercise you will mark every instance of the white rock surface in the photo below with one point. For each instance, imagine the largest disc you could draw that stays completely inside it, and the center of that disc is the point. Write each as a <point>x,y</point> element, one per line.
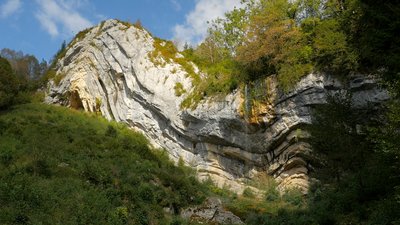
<point>109,70</point>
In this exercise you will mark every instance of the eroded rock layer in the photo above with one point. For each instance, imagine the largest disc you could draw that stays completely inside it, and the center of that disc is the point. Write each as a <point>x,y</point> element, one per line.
<point>110,69</point>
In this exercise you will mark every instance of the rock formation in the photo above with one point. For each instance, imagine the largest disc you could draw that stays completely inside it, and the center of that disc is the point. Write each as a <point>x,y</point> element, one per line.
<point>110,69</point>
<point>211,212</point>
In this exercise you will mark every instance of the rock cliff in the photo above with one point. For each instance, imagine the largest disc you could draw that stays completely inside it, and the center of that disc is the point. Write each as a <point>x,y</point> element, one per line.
<point>110,69</point>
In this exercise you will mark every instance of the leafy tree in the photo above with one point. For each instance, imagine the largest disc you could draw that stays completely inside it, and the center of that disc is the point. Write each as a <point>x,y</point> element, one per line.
<point>355,173</point>
<point>334,135</point>
<point>386,136</point>
<point>24,65</point>
<point>8,84</point>
<point>26,68</point>
<point>229,32</point>
<point>293,38</point>
<point>209,52</point>
<point>377,37</point>
<point>331,50</point>
<point>274,43</point>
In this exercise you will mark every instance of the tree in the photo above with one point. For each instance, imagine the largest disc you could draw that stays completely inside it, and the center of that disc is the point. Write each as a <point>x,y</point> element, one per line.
<point>210,52</point>
<point>274,43</point>
<point>25,66</point>
<point>8,84</point>
<point>229,32</point>
<point>332,52</point>
<point>377,39</point>
<point>386,136</point>
<point>335,137</point>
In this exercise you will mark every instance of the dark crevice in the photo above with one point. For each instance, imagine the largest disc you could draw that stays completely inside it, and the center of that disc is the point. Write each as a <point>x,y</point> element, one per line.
<point>107,100</point>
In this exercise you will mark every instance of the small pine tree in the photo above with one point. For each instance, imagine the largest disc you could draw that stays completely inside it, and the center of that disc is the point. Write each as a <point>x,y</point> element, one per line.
<point>138,24</point>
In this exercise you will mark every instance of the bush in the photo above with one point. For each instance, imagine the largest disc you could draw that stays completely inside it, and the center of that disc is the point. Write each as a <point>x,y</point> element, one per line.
<point>293,196</point>
<point>272,194</point>
<point>248,193</point>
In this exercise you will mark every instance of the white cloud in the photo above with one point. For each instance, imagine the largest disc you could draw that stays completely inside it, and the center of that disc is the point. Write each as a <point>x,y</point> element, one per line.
<point>9,8</point>
<point>194,30</point>
<point>61,17</point>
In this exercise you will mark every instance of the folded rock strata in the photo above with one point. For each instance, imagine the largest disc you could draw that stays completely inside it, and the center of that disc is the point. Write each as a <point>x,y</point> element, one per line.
<point>110,70</point>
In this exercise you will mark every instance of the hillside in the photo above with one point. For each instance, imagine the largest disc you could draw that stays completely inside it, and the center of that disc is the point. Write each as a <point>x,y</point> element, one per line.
<point>61,166</point>
<point>288,112</point>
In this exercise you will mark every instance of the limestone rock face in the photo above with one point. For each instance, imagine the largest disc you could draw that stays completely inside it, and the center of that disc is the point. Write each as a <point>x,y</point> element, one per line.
<point>110,70</point>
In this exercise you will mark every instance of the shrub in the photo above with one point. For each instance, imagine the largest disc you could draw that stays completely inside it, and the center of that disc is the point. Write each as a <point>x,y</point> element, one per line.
<point>58,78</point>
<point>111,131</point>
<point>293,196</point>
<point>272,194</point>
<point>247,192</point>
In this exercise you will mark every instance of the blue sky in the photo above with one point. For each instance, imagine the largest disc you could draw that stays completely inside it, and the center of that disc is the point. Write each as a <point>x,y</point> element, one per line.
<point>39,27</point>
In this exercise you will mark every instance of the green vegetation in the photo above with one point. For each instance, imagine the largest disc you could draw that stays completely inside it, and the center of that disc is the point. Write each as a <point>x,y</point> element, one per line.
<point>357,151</point>
<point>126,24</point>
<point>137,24</point>
<point>20,77</point>
<point>79,36</point>
<point>96,172</point>
<point>220,78</point>
<point>63,166</point>
<point>250,206</point>
<point>58,78</point>
<point>166,52</point>
<point>8,84</point>
<point>89,172</point>
<point>26,67</point>
<point>179,89</point>
<point>100,28</point>
<point>290,39</point>
<point>359,176</point>
<point>98,104</point>
<point>356,164</point>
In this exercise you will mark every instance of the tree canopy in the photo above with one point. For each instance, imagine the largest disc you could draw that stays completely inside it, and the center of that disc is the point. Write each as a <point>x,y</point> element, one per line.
<point>8,84</point>
<point>293,38</point>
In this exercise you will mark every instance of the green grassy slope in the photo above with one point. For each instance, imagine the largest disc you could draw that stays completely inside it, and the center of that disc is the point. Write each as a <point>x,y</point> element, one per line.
<point>59,166</point>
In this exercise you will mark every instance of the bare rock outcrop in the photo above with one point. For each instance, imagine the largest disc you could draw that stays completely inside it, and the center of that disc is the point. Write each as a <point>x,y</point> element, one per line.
<point>110,70</point>
<point>211,212</point>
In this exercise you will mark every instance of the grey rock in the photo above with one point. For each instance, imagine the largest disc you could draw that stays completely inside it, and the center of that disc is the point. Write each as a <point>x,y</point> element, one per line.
<point>211,212</point>
<point>109,71</point>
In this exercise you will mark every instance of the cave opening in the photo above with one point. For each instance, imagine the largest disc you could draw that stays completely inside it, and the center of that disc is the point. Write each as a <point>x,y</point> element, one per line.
<point>75,101</point>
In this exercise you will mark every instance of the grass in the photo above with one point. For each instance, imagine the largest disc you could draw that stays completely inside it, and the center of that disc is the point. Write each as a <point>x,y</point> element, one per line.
<point>79,36</point>
<point>126,24</point>
<point>166,52</point>
<point>58,78</point>
<point>60,166</point>
<point>179,89</point>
